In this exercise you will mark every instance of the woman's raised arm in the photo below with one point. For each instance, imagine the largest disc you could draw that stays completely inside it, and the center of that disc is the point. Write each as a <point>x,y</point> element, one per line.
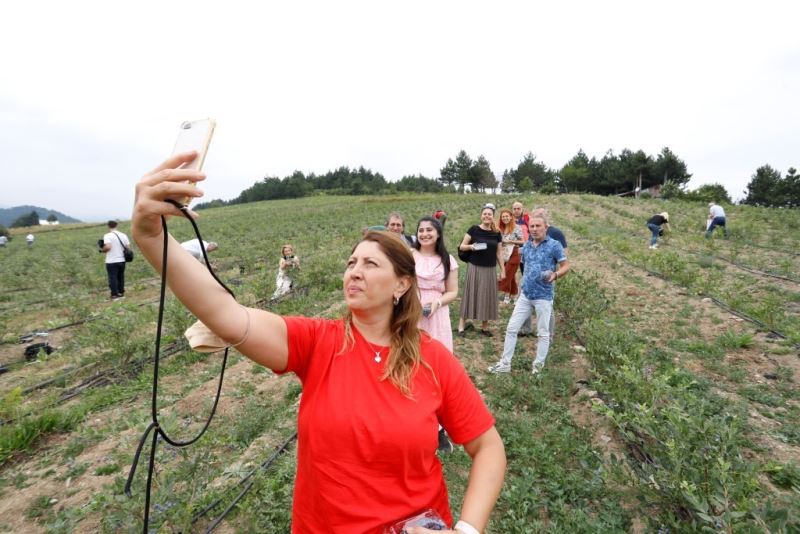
<point>260,335</point>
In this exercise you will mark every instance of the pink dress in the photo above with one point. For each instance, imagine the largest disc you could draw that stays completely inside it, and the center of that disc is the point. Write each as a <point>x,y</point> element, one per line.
<point>430,273</point>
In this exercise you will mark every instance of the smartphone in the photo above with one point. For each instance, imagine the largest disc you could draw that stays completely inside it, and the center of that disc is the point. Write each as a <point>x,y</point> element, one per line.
<point>194,135</point>
<point>428,519</point>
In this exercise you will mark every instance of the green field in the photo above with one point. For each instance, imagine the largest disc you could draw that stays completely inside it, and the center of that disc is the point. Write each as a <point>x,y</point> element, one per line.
<point>669,402</point>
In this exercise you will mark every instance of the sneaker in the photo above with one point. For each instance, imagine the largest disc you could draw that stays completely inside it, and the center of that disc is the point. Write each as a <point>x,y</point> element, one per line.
<point>536,369</point>
<point>507,300</point>
<point>445,445</point>
<point>500,367</point>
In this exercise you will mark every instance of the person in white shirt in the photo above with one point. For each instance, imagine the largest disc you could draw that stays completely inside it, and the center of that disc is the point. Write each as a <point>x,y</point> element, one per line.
<point>716,217</point>
<point>114,245</point>
<point>29,239</point>
<point>3,240</point>
<point>193,247</point>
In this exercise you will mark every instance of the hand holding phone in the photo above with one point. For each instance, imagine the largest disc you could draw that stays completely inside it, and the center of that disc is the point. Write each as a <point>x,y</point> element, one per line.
<point>194,135</point>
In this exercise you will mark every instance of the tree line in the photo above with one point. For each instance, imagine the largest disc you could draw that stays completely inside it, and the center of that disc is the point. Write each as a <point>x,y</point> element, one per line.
<point>31,219</point>
<point>768,188</point>
<point>342,181</point>
<point>612,174</point>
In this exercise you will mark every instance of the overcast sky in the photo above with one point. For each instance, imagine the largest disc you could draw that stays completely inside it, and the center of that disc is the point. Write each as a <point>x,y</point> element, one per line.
<point>92,94</point>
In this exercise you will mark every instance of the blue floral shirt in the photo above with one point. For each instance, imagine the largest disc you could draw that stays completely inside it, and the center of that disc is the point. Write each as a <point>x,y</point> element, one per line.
<point>544,257</point>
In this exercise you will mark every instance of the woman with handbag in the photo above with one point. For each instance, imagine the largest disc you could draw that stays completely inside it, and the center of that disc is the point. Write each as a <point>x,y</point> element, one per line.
<point>117,248</point>
<point>479,301</point>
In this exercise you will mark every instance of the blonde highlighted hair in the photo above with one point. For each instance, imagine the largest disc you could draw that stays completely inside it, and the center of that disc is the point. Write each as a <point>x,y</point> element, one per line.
<point>404,347</point>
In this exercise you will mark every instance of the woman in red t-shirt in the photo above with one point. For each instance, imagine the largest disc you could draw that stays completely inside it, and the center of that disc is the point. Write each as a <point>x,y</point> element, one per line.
<point>374,387</point>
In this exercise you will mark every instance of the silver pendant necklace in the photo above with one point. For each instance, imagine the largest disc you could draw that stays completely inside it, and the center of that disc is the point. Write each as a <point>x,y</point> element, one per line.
<point>377,357</point>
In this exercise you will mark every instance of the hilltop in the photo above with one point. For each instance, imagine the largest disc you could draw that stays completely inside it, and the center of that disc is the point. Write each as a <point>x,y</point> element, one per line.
<point>9,215</point>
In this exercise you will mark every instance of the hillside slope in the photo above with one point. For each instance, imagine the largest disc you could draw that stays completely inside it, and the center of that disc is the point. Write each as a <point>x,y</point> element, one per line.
<point>669,401</point>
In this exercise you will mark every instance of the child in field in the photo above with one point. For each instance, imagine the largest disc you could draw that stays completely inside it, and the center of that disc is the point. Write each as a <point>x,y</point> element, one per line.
<point>288,262</point>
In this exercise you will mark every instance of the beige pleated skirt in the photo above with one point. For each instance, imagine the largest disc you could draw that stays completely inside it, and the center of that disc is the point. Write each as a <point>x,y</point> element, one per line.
<point>479,299</point>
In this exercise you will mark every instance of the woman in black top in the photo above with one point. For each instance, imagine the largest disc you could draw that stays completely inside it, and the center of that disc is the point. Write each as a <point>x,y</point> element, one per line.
<point>654,223</point>
<point>479,300</point>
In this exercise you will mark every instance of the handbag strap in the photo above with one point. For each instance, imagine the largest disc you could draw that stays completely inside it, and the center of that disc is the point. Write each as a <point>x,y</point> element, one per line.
<point>120,241</point>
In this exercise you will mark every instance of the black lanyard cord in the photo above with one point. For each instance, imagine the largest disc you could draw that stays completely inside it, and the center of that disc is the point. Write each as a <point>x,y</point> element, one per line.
<point>154,424</point>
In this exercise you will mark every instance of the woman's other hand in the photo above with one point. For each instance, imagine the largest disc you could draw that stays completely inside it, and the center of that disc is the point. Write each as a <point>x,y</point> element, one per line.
<point>423,530</point>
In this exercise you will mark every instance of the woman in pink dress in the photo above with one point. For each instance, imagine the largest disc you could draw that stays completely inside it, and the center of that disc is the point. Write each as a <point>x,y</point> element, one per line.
<point>437,279</point>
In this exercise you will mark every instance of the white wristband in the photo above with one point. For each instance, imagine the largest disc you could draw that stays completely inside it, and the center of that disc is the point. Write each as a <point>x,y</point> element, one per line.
<point>465,527</point>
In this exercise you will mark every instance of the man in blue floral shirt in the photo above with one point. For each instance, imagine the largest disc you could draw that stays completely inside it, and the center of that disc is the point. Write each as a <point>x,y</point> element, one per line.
<point>545,262</point>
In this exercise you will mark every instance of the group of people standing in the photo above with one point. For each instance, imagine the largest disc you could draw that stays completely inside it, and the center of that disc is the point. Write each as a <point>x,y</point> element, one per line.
<point>521,241</point>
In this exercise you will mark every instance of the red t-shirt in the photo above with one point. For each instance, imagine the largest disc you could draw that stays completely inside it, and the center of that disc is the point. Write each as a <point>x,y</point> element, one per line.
<point>366,454</point>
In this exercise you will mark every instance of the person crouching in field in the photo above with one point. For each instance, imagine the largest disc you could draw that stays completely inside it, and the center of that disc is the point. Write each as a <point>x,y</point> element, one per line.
<point>716,217</point>
<point>194,247</point>
<point>374,386</point>
<point>655,223</point>
<point>288,263</point>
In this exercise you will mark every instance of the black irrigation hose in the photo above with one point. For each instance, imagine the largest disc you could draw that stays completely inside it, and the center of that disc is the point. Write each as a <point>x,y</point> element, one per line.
<point>756,271</point>
<point>30,335</point>
<point>264,465</point>
<point>750,243</point>
<point>739,265</point>
<point>16,290</point>
<point>293,292</point>
<point>713,299</point>
<point>80,388</point>
<point>716,301</point>
<point>154,424</point>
